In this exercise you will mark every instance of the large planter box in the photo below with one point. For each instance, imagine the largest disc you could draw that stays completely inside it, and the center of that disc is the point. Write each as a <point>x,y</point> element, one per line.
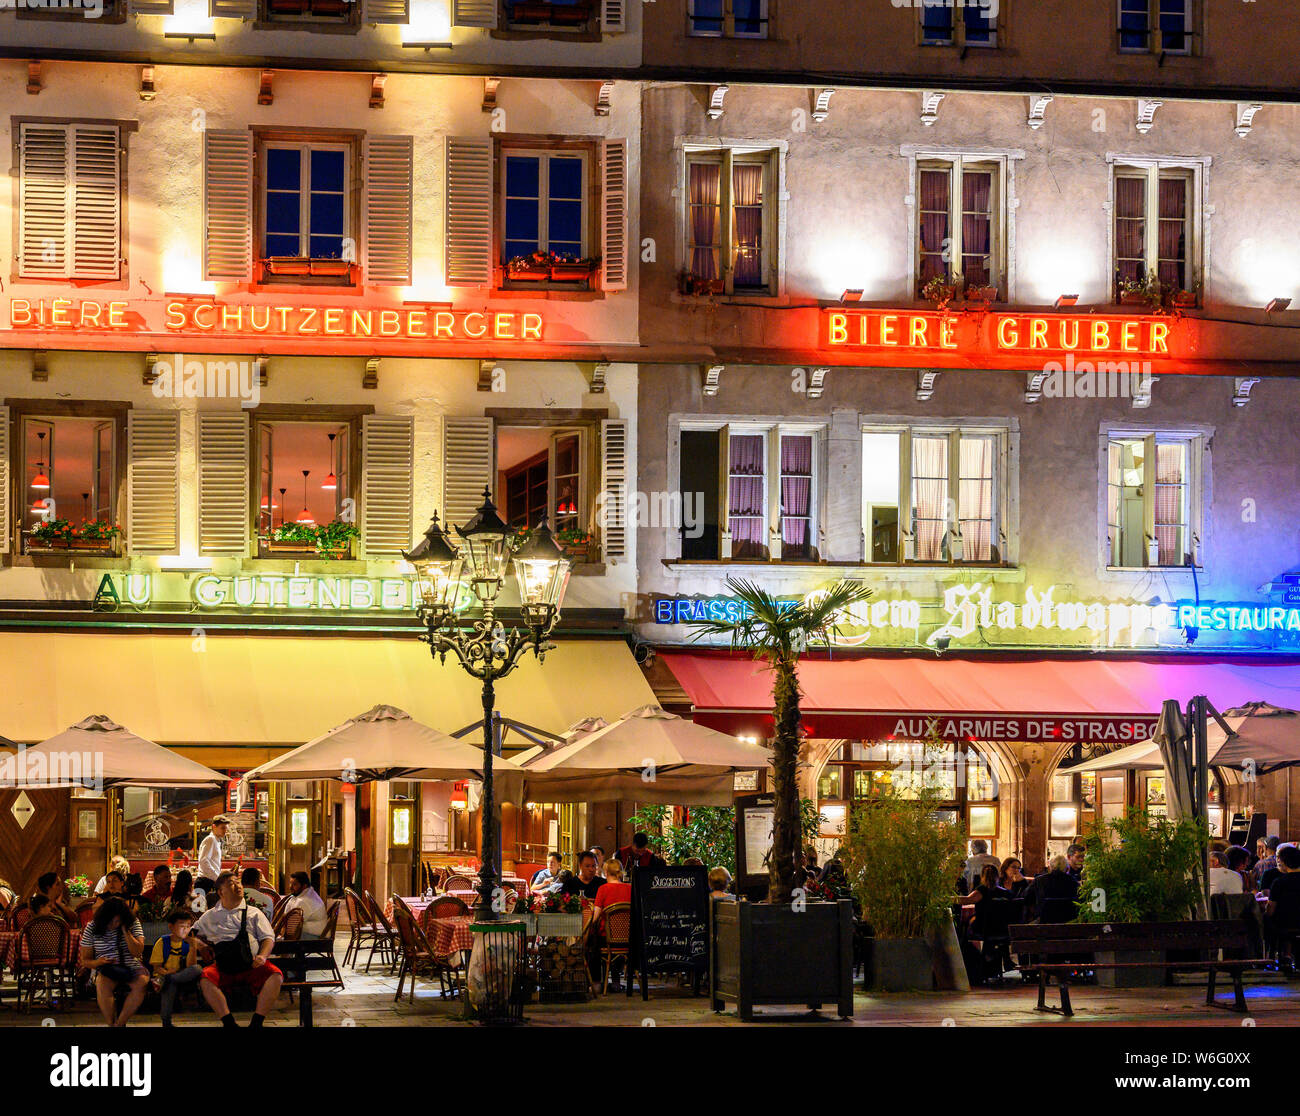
<point>559,925</point>
<point>901,965</point>
<point>763,953</point>
<point>1153,977</point>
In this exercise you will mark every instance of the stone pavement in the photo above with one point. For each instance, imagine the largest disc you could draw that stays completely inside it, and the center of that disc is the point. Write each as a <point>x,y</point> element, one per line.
<point>367,1001</point>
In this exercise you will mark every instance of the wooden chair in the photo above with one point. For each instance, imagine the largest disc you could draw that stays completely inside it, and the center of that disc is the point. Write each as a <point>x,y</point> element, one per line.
<point>417,956</point>
<point>400,904</point>
<point>41,959</point>
<point>361,926</point>
<point>385,943</point>
<point>291,927</point>
<point>617,936</point>
<point>331,927</point>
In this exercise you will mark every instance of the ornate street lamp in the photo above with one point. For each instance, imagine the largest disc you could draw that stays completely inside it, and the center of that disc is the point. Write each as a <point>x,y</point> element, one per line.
<point>481,643</point>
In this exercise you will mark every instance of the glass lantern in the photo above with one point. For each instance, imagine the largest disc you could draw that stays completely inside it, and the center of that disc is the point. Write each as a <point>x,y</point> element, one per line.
<point>438,570</point>
<point>542,574</point>
<point>487,539</point>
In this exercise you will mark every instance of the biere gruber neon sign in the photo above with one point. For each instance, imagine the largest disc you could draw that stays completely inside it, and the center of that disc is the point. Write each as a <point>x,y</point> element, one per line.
<point>934,331</point>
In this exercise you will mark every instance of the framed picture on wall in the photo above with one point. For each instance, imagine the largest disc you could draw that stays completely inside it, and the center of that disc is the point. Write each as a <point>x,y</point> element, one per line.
<point>87,824</point>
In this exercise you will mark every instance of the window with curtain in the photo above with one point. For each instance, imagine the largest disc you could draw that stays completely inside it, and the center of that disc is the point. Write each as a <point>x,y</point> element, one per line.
<point>958,218</point>
<point>796,495</point>
<point>729,218</point>
<point>1150,500</point>
<point>741,19</point>
<point>950,487</point>
<point>940,26</point>
<point>1159,248</point>
<point>1159,26</point>
<point>747,496</point>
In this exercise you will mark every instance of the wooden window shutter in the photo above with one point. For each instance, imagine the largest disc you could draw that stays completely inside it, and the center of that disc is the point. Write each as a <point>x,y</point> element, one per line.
<point>233,9</point>
<point>613,234</point>
<point>96,203</point>
<point>613,16</point>
<point>5,528</point>
<point>70,202</point>
<point>613,486</point>
<point>388,169</point>
<point>152,7</point>
<point>228,205</point>
<point>152,481</point>
<point>467,232</point>
<point>474,13</point>
<point>384,11</point>
<point>469,453</point>
<point>387,486</point>
<point>223,483</point>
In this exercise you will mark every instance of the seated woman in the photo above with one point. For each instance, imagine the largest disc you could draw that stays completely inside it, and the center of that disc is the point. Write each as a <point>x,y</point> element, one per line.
<point>1013,877</point>
<point>111,946</point>
<point>720,884</point>
<point>613,890</point>
<point>50,887</point>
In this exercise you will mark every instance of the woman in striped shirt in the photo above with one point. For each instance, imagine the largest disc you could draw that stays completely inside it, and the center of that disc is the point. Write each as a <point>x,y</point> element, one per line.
<point>111,946</point>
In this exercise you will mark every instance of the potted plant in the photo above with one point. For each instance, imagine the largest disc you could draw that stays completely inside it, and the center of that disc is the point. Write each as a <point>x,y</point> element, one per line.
<point>96,534</point>
<point>941,290</point>
<point>334,540</point>
<point>575,542</point>
<point>78,886</point>
<point>696,286</point>
<point>900,863</point>
<point>294,537</point>
<point>1146,291</point>
<point>1140,868</point>
<point>980,297</point>
<point>53,534</point>
<point>784,950</point>
<point>535,268</point>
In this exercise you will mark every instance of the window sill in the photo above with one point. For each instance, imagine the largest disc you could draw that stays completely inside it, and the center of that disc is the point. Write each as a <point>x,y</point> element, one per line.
<point>67,559</point>
<point>756,299</point>
<point>538,291</point>
<point>684,567</point>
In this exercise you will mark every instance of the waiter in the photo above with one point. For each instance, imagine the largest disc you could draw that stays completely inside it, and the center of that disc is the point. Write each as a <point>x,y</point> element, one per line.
<point>212,851</point>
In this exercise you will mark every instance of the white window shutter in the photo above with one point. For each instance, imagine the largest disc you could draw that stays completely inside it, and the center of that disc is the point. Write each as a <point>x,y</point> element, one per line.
<point>96,202</point>
<point>233,9</point>
<point>152,481</point>
<point>387,467</point>
<point>613,16</point>
<point>223,483</point>
<point>5,526</point>
<point>467,232</point>
<point>468,466</point>
<point>43,234</point>
<point>228,205</point>
<point>152,7</point>
<point>613,233</point>
<point>389,161</point>
<point>474,13</point>
<point>384,11</point>
<point>613,485</point>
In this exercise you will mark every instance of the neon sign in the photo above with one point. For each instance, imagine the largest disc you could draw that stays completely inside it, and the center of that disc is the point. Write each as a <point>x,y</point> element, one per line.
<point>934,331</point>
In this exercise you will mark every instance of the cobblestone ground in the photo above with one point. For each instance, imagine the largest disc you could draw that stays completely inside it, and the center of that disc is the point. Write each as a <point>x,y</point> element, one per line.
<point>367,1001</point>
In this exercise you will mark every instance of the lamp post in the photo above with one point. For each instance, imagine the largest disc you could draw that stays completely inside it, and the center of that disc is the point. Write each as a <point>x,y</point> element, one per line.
<point>481,643</point>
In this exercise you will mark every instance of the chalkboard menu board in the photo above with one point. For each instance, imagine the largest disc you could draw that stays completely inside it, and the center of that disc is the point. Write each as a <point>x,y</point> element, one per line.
<point>670,921</point>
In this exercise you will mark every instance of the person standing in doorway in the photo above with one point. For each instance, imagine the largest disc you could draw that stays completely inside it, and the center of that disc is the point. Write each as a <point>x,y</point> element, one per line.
<point>211,853</point>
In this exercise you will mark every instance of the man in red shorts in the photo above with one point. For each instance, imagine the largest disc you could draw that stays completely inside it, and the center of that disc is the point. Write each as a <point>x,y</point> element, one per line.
<point>241,938</point>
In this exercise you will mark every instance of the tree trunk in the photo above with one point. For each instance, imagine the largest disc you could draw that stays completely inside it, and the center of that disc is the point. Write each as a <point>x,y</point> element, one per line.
<point>787,845</point>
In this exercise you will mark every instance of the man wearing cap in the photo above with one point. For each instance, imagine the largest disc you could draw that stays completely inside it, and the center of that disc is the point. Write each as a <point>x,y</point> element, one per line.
<point>212,850</point>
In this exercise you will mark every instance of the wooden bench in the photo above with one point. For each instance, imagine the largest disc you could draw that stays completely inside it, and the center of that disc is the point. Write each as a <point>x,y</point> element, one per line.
<point>299,959</point>
<point>1059,949</point>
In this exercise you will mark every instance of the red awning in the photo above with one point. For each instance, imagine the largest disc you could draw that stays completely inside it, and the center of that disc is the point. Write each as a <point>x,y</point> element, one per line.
<point>878,697</point>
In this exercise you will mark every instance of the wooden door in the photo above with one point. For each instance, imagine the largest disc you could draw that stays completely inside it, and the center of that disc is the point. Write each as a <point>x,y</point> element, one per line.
<point>27,852</point>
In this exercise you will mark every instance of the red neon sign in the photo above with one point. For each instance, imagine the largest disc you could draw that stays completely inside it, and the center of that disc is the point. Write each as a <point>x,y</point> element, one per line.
<point>934,331</point>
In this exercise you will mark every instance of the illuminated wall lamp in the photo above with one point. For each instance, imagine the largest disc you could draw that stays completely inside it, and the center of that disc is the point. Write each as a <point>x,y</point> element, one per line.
<point>1063,301</point>
<point>853,294</point>
<point>190,36</point>
<point>1275,305</point>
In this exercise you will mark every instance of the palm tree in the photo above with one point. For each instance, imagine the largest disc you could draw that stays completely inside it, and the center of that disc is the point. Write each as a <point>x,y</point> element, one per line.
<point>779,631</point>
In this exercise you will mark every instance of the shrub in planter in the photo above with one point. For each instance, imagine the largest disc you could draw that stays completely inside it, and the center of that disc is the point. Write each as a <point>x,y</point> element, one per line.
<point>901,862</point>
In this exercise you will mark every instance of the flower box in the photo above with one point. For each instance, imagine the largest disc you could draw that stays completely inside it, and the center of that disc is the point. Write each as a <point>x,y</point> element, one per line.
<point>279,546</point>
<point>577,272</point>
<point>558,924</point>
<point>289,266</point>
<point>1134,298</point>
<point>981,294</point>
<point>47,544</point>
<point>529,275</point>
<point>1184,299</point>
<point>99,546</point>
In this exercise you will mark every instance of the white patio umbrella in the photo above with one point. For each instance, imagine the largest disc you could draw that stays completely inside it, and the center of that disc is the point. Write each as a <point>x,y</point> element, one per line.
<point>99,752</point>
<point>579,728</point>
<point>648,755</point>
<point>388,743</point>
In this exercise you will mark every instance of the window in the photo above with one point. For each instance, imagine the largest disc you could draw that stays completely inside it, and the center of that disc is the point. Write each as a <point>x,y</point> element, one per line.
<point>69,201</point>
<point>304,13</point>
<point>304,485</point>
<point>1156,26</point>
<point>729,19</point>
<point>959,222</point>
<point>69,484</point>
<point>750,493</point>
<point>541,473</point>
<point>551,15</point>
<point>307,228</point>
<point>1154,232</point>
<point>977,25</point>
<point>1152,500</point>
<point>933,495</point>
<point>545,217</point>
<point>730,222</point>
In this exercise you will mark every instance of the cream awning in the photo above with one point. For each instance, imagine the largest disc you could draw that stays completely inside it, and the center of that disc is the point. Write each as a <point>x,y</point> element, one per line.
<point>279,691</point>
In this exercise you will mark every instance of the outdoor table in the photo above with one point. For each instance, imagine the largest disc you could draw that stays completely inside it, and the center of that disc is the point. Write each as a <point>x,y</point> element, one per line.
<point>304,959</point>
<point>450,935</point>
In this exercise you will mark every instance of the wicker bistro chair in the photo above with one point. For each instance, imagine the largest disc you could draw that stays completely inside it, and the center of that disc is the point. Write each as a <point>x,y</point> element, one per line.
<point>291,926</point>
<point>458,883</point>
<point>417,956</point>
<point>361,926</point>
<point>445,906</point>
<point>20,918</point>
<point>386,942</point>
<point>41,959</point>
<point>618,933</point>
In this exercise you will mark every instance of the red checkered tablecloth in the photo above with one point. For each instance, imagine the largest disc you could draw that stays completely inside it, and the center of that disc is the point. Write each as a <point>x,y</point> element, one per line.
<point>448,935</point>
<point>9,947</point>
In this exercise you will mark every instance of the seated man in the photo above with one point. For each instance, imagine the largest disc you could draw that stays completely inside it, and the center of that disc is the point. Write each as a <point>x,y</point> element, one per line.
<point>545,877</point>
<point>250,879</point>
<point>303,897</point>
<point>237,964</point>
<point>1283,907</point>
<point>159,884</point>
<point>588,881</point>
<point>1223,880</point>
